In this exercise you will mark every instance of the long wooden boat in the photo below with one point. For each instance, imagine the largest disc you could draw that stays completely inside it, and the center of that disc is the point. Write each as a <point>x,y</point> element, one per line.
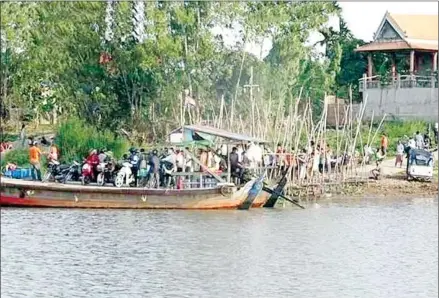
<point>22,193</point>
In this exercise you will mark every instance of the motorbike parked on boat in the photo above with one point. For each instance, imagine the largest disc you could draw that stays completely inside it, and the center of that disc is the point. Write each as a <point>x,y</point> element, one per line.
<point>61,172</point>
<point>125,176</point>
<point>106,173</point>
<point>87,173</point>
<point>167,168</point>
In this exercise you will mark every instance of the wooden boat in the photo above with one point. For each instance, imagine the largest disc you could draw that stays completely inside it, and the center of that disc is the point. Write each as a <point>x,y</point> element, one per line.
<point>222,195</point>
<point>21,193</point>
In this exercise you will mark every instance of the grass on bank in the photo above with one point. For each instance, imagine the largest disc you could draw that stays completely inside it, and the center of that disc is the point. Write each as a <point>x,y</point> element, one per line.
<point>74,138</point>
<point>396,130</point>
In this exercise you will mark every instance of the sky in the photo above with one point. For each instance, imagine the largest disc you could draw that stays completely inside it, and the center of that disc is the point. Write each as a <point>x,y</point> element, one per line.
<point>363,19</point>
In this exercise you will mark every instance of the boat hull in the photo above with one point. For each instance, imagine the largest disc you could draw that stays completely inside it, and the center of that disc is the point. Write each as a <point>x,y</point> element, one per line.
<point>19,193</point>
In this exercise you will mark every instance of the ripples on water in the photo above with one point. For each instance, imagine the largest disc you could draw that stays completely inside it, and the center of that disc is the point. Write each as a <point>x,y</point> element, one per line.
<point>362,249</point>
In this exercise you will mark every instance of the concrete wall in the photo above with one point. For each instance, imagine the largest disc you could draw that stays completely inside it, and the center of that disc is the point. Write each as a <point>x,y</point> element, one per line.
<point>402,103</point>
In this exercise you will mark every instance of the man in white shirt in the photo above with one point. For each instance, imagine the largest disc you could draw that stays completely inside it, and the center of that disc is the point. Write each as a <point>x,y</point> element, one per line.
<point>419,140</point>
<point>399,154</point>
<point>179,160</point>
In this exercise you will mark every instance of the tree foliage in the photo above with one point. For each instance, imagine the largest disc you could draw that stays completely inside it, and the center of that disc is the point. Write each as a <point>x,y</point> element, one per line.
<point>58,46</point>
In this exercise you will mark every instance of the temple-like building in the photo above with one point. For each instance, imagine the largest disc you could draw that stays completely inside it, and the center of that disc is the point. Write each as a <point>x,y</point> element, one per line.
<point>409,88</point>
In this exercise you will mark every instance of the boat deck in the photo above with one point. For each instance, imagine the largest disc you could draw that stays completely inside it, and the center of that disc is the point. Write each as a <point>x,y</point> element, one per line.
<point>76,187</point>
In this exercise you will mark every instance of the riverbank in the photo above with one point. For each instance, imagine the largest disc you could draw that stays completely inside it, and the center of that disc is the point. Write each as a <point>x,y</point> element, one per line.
<point>393,184</point>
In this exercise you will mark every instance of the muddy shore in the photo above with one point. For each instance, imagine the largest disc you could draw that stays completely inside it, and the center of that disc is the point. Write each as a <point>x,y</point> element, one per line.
<point>389,187</point>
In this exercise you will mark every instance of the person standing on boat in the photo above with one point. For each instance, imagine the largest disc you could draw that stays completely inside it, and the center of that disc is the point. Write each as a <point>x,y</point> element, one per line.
<point>189,167</point>
<point>134,160</point>
<point>34,159</point>
<point>203,159</point>
<point>235,165</point>
<point>102,156</point>
<point>154,172</point>
<point>179,160</point>
<point>53,152</point>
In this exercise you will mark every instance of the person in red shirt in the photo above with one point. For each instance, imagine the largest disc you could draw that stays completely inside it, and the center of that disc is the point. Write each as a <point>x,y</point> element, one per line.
<point>93,161</point>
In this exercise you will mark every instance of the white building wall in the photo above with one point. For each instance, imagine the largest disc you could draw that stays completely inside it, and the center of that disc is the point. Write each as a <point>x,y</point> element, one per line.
<point>402,103</point>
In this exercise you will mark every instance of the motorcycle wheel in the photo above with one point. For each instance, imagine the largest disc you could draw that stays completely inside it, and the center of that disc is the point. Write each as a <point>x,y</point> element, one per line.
<point>100,179</point>
<point>118,182</point>
<point>47,177</point>
<point>67,178</point>
<point>85,180</point>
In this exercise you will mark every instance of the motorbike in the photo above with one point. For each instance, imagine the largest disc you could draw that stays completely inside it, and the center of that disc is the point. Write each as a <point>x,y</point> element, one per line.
<point>88,174</point>
<point>167,168</point>
<point>124,176</point>
<point>106,173</point>
<point>74,173</point>
<point>61,172</point>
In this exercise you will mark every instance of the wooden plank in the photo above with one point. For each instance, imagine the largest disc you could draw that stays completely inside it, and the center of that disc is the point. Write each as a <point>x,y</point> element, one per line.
<point>195,174</point>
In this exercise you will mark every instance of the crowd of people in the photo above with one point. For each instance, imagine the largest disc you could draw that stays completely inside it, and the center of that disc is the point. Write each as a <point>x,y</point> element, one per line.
<point>306,163</point>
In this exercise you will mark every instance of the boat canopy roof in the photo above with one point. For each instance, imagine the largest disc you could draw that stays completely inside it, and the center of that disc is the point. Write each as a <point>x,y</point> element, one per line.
<point>200,132</point>
<point>199,143</point>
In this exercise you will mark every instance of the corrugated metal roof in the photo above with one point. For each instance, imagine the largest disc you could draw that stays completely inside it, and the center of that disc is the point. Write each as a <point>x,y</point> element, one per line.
<point>222,133</point>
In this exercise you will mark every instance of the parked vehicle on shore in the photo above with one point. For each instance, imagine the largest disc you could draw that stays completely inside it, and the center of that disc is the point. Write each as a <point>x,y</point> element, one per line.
<point>420,165</point>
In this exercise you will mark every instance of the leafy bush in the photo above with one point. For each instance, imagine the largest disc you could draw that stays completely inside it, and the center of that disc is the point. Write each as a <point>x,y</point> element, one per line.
<point>76,138</point>
<point>19,156</point>
<point>7,137</point>
<point>396,130</point>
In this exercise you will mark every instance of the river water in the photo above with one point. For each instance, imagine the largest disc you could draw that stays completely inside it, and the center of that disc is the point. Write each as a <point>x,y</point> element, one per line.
<point>370,248</point>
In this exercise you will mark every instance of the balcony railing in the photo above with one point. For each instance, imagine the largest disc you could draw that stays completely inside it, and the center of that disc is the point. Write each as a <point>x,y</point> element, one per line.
<point>400,81</point>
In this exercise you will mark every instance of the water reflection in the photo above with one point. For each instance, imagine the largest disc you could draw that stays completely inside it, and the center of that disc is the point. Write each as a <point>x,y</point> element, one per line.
<point>369,248</point>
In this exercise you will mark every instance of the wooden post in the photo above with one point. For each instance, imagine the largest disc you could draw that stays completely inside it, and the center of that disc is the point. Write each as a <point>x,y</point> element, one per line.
<point>412,62</point>
<point>229,165</point>
<point>251,86</point>
<point>369,66</point>
<point>434,61</point>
